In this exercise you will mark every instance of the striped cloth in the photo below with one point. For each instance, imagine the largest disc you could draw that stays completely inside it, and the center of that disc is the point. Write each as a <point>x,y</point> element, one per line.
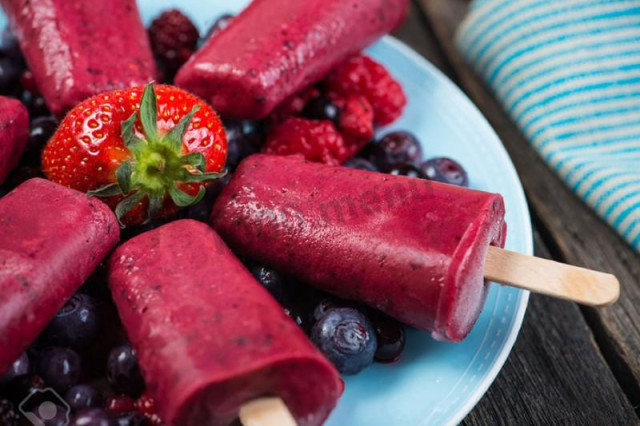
<point>568,73</point>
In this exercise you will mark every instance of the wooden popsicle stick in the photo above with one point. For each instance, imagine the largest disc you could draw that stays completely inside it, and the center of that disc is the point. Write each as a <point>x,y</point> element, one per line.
<point>555,279</point>
<point>266,412</point>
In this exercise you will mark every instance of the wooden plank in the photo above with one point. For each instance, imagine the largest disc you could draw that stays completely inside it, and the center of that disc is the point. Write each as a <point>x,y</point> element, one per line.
<point>555,373</point>
<point>573,232</point>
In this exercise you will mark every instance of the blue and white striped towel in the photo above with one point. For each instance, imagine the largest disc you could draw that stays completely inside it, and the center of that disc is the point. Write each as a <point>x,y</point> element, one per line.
<point>568,73</point>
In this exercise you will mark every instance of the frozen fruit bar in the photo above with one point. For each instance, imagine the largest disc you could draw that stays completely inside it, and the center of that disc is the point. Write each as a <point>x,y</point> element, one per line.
<point>412,248</point>
<point>77,49</point>
<point>209,337</point>
<point>275,48</point>
<point>14,131</point>
<point>51,240</point>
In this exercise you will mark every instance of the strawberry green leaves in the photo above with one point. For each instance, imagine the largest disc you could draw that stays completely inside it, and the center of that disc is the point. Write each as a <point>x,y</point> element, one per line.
<point>158,168</point>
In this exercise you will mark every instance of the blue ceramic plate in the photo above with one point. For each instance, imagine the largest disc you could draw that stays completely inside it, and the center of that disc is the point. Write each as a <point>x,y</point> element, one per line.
<point>434,383</point>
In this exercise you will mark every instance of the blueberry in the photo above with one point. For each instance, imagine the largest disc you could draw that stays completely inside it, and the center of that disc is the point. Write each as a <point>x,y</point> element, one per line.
<point>443,169</point>
<point>8,414</point>
<point>20,367</point>
<point>76,325</point>
<point>35,104</point>
<point>391,337</point>
<point>42,128</point>
<point>347,338</point>
<point>220,24</point>
<point>243,139</point>
<point>321,108</point>
<point>405,169</point>
<point>322,308</point>
<point>397,147</point>
<point>132,419</point>
<point>60,367</point>
<point>123,371</point>
<point>119,404</point>
<point>9,76</point>
<point>23,386</point>
<point>81,397</point>
<point>270,279</point>
<point>360,164</point>
<point>9,46</point>
<point>92,417</point>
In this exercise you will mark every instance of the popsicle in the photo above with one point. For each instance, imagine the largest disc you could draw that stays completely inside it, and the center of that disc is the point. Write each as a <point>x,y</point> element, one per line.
<point>415,249</point>
<point>14,131</point>
<point>51,240</point>
<point>209,338</point>
<point>77,49</point>
<point>275,48</point>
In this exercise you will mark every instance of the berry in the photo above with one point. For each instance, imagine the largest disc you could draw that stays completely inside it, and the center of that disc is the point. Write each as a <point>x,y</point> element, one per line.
<point>405,169</point>
<point>76,325</point>
<point>322,108</point>
<point>356,122</point>
<point>119,404</point>
<point>123,371</point>
<point>219,24</point>
<point>362,75</point>
<point>391,338</point>
<point>42,128</point>
<point>147,406</point>
<point>360,164</point>
<point>23,386</point>
<point>60,367</point>
<point>322,308</point>
<point>132,419</point>
<point>317,141</point>
<point>243,139</point>
<point>81,397</point>
<point>443,169</point>
<point>9,76</point>
<point>141,170</point>
<point>270,279</point>
<point>28,82</point>
<point>20,367</point>
<point>92,417</point>
<point>8,414</point>
<point>35,104</point>
<point>397,147</point>
<point>9,46</point>
<point>173,39</point>
<point>293,106</point>
<point>347,338</point>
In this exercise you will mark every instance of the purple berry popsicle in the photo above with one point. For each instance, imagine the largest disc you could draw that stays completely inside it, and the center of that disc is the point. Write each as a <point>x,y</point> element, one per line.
<point>14,131</point>
<point>77,49</point>
<point>51,240</point>
<point>412,248</point>
<point>208,336</point>
<point>244,73</point>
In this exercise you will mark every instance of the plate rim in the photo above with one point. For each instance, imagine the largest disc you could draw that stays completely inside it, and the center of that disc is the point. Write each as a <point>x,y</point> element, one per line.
<point>527,234</point>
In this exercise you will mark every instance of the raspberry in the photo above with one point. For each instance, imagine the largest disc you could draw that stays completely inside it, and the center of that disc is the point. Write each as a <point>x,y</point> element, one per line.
<point>356,122</point>
<point>318,141</point>
<point>146,406</point>
<point>173,39</point>
<point>363,76</point>
<point>119,404</point>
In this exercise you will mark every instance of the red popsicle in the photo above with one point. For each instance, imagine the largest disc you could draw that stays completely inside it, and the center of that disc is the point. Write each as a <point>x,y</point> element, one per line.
<point>412,248</point>
<point>51,240</point>
<point>14,131</point>
<point>210,338</point>
<point>275,48</point>
<point>77,49</point>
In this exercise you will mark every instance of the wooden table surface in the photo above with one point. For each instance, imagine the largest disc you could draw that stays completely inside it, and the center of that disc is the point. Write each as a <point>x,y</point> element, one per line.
<point>570,364</point>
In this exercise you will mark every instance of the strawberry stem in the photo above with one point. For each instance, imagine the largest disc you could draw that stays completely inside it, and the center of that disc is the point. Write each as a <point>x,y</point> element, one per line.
<point>158,165</point>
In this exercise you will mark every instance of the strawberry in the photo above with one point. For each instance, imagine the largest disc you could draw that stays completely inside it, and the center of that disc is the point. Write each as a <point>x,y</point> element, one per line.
<point>146,151</point>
